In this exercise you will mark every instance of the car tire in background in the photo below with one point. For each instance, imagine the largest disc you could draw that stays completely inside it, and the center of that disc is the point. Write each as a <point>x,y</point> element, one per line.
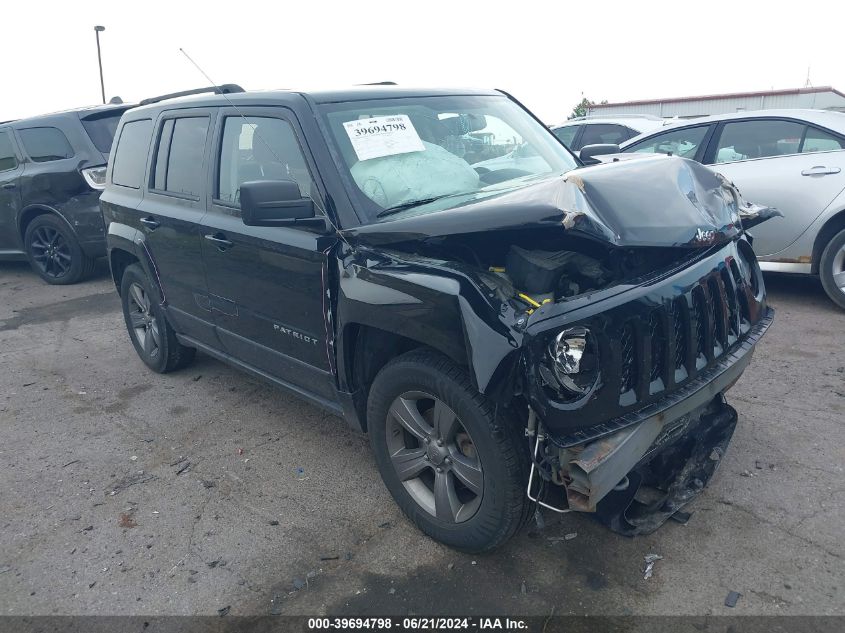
<point>832,268</point>
<point>455,468</point>
<point>153,337</point>
<point>54,252</point>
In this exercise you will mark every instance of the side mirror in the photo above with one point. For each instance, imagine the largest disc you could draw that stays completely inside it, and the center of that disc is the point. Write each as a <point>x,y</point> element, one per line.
<point>589,152</point>
<point>276,203</point>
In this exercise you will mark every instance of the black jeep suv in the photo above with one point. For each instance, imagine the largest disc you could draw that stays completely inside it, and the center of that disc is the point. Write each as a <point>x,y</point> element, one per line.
<point>509,327</point>
<point>52,169</point>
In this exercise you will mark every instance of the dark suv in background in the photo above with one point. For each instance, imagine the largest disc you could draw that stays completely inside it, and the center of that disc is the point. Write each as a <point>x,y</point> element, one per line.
<point>52,169</point>
<point>506,332</point>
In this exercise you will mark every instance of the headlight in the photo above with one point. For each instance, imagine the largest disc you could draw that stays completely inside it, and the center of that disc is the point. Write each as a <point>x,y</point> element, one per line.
<point>573,363</point>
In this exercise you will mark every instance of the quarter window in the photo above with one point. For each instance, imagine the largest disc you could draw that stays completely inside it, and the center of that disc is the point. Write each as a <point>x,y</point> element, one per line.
<point>745,140</point>
<point>820,141</point>
<point>130,157</point>
<point>566,134</point>
<point>259,148</point>
<point>178,166</point>
<point>683,143</point>
<point>7,153</point>
<point>44,144</point>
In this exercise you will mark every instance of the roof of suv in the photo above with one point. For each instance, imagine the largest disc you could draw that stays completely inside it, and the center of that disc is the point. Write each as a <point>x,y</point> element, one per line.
<point>353,93</point>
<point>79,112</point>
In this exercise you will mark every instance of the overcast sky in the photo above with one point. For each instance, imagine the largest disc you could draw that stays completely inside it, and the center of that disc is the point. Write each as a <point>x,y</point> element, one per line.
<point>548,54</point>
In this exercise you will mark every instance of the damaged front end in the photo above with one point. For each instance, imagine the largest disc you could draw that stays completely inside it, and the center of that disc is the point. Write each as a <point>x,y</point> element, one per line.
<point>614,305</point>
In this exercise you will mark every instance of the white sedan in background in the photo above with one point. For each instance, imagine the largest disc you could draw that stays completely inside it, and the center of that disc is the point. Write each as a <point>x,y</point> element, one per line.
<point>793,160</point>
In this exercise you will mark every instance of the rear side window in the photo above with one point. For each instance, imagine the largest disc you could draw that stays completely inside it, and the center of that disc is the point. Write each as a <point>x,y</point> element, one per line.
<point>820,141</point>
<point>178,166</point>
<point>744,140</point>
<point>7,153</point>
<point>101,129</point>
<point>596,133</point>
<point>130,157</point>
<point>44,144</point>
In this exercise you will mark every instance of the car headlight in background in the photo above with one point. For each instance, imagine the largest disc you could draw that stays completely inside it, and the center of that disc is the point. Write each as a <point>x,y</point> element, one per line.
<point>572,364</point>
<point>95,177</point>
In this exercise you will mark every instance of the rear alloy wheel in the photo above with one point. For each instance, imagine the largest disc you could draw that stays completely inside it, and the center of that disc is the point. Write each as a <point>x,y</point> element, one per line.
<point>54,252</point>
<point>152,336</point>
<point>832,269</point>
<point>455,467</point>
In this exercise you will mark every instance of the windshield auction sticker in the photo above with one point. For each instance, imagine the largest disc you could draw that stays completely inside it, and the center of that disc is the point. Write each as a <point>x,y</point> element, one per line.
<point>383,136</point>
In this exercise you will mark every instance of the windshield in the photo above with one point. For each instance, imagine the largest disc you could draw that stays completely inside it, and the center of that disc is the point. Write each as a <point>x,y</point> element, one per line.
<point>397,154</point>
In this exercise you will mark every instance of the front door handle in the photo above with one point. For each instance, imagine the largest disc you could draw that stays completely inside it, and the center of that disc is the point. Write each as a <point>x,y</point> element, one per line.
<point>220,241</point>
<point>820,170</point>
<point>151,223</point>
<point>8,185</point>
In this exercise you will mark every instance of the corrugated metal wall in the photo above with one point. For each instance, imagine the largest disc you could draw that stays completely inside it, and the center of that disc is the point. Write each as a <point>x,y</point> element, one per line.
<point>701,107</point>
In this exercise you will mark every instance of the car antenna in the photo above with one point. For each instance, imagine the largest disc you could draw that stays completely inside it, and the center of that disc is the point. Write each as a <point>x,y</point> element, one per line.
<point>255,132</point>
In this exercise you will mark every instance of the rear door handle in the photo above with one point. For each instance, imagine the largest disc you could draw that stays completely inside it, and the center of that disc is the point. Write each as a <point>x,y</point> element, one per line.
<point>820,170</point>
<point>8,185</point>
<point>220,241</point>
<point>151,223</point>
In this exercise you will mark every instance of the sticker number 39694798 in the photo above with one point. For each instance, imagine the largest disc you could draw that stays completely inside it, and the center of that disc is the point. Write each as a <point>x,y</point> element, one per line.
<point>383,136</point>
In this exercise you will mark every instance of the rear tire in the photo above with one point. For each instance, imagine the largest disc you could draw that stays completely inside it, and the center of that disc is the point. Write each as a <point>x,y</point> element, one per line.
<point>152,336</point>
<point>832,269</point>
<point>54,252</point>
<point>463,469</point>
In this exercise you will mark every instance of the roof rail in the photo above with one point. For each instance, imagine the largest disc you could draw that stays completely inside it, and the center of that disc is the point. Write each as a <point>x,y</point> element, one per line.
<point>380,83</point>
<point>223,89</point>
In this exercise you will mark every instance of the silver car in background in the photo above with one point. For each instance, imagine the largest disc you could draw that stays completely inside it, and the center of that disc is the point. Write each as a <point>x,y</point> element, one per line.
<point>793,160</point>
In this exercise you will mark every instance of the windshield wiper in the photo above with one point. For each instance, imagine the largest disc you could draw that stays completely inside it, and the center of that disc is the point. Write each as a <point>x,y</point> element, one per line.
<point>407,205</point>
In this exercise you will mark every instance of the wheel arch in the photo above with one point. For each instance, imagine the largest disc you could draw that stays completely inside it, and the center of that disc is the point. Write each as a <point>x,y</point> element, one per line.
<point>119,260</point>
<point>29,213</point>
<point>831,227</point>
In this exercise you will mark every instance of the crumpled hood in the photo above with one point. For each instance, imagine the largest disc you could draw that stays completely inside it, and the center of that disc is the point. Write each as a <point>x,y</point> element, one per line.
<point>656,201</point>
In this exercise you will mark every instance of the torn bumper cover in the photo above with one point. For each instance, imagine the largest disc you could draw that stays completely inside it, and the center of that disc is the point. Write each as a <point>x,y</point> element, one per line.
<point>638,477</point>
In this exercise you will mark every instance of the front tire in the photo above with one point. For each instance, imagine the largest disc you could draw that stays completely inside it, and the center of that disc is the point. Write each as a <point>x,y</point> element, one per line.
<point>456,469</point>
<point>54,252</point>
<point>151,334</point>
<point>832,269</point>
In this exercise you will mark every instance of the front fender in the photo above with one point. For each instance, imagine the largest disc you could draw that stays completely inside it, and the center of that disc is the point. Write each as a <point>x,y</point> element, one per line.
<point>436,305</point>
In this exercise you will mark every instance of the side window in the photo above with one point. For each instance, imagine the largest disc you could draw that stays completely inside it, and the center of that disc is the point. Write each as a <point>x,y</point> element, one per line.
<point>683,143</point>
<point>743,140</point>
<point>817,140</point>
<point>566,134</point>
<point>259,148</point>
<point>603,133</point>
<point>7,153</point>
<point>44,144</point>
<point>130,157</point>
<point>178,165</point>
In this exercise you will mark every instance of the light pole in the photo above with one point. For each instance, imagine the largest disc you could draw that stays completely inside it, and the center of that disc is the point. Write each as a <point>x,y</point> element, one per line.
<point>97,30</point>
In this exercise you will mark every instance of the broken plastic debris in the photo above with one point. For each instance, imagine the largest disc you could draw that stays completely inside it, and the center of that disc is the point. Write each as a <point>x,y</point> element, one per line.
<point>650,559</point>
<point>731,598</point>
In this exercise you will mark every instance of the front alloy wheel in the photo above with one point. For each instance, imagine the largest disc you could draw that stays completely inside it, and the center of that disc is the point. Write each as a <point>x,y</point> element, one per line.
<point>456,466</point>
<point>434,457</point>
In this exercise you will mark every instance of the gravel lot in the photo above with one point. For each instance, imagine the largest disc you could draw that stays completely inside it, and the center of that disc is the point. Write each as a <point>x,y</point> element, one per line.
<point>126,492</point>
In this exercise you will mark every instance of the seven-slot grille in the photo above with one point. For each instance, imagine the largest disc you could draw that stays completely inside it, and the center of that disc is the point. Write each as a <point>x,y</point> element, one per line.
<point>681,337</point>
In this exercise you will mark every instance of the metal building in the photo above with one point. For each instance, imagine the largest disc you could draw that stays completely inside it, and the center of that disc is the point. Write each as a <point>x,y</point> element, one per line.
<point>822,98</point>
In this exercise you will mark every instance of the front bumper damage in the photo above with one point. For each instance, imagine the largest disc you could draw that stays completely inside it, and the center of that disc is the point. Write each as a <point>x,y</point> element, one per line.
<point>638,477</point>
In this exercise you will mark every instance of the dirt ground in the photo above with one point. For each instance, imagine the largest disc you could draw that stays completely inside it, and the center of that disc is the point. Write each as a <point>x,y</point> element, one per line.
<point>128,492</point>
